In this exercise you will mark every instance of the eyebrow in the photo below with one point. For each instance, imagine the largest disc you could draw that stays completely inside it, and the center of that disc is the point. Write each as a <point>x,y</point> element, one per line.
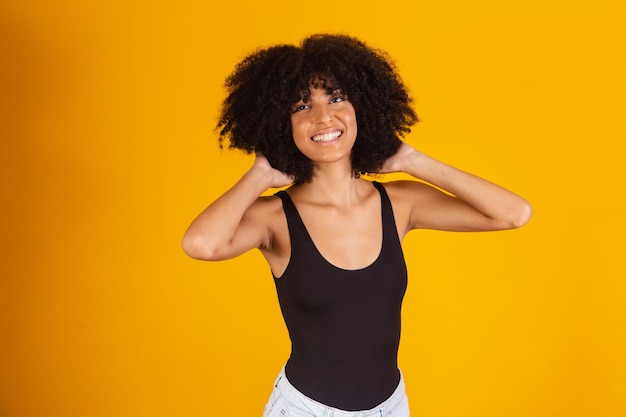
<point>305,95</point>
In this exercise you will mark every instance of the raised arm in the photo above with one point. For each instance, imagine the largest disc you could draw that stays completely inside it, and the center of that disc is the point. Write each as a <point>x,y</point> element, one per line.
<point>469,203</point>
<point>237,221</point>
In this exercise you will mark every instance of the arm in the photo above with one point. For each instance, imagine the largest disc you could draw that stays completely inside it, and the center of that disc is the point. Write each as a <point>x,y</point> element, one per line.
<point>234,223</point>
<point>473,203</point>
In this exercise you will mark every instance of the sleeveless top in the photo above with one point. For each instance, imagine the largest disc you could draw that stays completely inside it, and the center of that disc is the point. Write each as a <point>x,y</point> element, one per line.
<point>344,325</point>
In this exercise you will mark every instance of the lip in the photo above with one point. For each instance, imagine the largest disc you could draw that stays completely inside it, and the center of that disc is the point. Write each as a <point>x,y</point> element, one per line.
<point>328,135</point>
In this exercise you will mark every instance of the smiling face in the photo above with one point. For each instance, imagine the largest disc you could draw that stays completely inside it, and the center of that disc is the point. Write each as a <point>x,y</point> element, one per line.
<point>324,124</point>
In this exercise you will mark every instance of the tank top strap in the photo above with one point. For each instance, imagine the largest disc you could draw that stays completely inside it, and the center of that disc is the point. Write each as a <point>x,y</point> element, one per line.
<point>383,194</point>
<point>390,230</point>
<point>287,203</point>
<point>297,230</point>
<point>293,217</point>
<point>288,206</point>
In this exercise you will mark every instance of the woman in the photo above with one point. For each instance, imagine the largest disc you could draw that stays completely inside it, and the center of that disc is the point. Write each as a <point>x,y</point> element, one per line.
<point>319,115</point>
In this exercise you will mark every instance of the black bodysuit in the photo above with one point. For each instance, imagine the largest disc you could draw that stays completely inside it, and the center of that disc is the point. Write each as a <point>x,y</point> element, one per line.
<point>344,325</point>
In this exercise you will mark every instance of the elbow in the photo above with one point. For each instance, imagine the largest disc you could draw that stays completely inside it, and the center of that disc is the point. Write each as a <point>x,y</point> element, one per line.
<point>195,247</point>
<point>523,214</point>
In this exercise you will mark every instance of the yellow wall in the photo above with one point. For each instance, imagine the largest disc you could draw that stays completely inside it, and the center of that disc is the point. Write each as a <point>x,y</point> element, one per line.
<point>107,152</point>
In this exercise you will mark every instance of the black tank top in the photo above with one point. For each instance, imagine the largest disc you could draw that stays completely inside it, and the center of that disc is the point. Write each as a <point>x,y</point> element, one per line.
<point>344,325</point>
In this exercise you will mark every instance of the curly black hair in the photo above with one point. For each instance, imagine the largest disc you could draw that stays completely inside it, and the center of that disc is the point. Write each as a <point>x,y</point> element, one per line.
<point>256,114</point>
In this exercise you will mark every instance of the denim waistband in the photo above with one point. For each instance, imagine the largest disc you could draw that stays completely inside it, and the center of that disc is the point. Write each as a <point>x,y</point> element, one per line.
<point>315,408</point>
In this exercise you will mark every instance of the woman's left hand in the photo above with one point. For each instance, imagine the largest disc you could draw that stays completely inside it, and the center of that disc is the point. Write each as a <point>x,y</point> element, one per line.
<point>399,161</point>
<point>468,203</point>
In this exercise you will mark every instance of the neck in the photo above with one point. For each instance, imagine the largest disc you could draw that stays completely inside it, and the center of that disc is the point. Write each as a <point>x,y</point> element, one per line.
<point>334,184</point>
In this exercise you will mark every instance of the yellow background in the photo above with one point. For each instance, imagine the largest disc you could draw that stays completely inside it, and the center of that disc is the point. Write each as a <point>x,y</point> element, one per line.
<point>108,152</point>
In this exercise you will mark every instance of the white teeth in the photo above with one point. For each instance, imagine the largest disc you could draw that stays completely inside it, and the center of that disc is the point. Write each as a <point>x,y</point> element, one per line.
<point>326,137</point>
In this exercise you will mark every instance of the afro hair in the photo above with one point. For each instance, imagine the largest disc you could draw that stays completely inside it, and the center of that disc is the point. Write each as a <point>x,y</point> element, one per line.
<point>256,114</point>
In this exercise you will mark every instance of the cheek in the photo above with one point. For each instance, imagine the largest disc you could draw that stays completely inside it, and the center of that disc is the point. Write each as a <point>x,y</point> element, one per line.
<point>298,129</point>
<point>301,147</point>
<point>350,121</point>
<point>350,116</point>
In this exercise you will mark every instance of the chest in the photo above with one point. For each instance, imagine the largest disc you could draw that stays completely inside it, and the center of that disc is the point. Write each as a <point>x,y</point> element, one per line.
<point>345,262</point>
<point>338,255</point>
<point>346,240</point>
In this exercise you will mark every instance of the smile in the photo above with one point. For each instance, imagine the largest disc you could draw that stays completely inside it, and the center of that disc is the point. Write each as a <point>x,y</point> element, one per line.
<point>327,137</point>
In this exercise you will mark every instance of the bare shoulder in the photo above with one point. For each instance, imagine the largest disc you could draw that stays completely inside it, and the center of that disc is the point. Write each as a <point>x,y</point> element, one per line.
<point>265,210</point>
<point>267,204</point>
<point>401,194</point>
<point>268,211</point>
<point>275,245</point>
<point>408,199</point>
<point>407,192</point>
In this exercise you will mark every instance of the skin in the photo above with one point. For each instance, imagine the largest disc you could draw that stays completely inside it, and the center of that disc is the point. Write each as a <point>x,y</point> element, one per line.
<point>324,114</point>
<point>339,209</point>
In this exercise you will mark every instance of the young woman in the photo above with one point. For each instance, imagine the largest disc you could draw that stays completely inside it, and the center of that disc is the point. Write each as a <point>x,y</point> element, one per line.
<point>317,116</point>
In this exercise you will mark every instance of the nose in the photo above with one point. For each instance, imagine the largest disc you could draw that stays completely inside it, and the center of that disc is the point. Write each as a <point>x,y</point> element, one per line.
<point>323,114</point>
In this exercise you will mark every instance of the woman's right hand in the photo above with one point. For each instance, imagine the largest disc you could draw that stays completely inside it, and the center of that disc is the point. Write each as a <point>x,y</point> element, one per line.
<point>271,176</point>
<point>234,224</point>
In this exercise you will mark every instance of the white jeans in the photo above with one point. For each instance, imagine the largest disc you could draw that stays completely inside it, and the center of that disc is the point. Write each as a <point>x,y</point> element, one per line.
<point>287,401</point>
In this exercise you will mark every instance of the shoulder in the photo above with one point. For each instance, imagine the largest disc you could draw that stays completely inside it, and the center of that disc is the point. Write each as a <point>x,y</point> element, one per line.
<point>398,193</point>
<point>268,213</point>
<point>265,208</point>
<point>411,200</point>
<point>406,192</point>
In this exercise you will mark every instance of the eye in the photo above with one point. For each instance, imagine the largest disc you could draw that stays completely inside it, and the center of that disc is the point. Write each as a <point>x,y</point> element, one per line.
<point>337,99</point>
<point>299,108</point>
